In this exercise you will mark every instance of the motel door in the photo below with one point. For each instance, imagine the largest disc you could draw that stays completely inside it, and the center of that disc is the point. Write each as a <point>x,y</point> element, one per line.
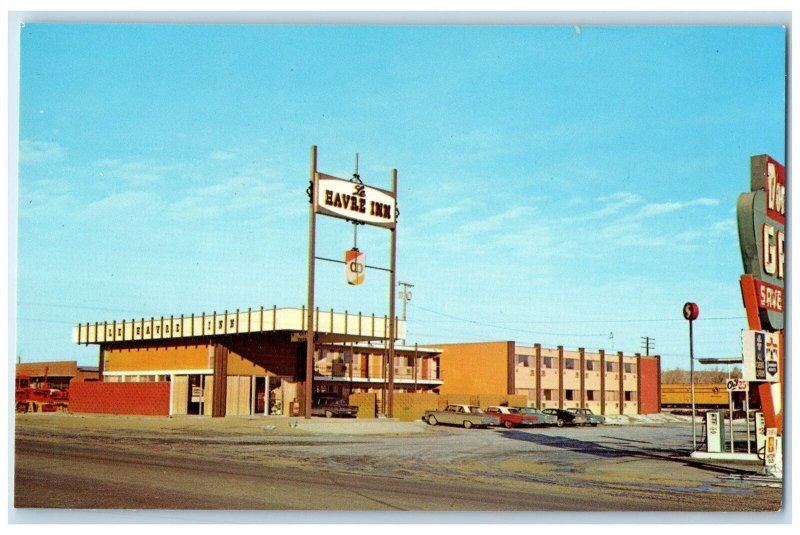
<point>195,401</point>
<point>261,397</point>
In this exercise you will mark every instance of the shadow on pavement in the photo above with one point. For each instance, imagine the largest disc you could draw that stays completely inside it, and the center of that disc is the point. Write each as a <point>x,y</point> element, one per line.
<point>640,450</point>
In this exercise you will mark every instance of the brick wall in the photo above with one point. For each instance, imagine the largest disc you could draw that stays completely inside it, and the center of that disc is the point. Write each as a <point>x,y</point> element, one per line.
<point>366,404</point>
<point>650,385</point>
<point>149,399</point>
<point>409,406</point>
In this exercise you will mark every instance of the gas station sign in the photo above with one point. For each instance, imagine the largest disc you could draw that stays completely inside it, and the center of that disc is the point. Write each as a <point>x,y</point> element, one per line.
<point>761,215</point>
<point>760,356</point>
<point>736,385</point>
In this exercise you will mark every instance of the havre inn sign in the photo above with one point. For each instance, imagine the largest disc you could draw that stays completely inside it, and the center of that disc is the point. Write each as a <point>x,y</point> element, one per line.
<point>354,201</point>
<point>761,215</point>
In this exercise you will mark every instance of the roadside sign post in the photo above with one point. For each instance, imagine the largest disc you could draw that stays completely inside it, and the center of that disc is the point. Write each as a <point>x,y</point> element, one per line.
<point>730,411</point>
<point>691,312</point>
<point>737,385</point>
<point>356,203</point>
<point>747,416</point>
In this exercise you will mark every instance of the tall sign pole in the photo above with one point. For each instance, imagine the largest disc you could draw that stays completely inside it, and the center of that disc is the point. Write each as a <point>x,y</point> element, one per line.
<point>691,312</point>
<point>392,319</point>
<point>310,342</point>
<point>358,203</point>
<point>761,218</point>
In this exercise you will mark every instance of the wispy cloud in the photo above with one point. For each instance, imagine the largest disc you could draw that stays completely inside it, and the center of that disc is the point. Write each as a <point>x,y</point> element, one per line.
<point>654,209</point>
<point>245,195</point>
<point>441,214</point>
<point>135,173</point>
<point>497,221</point>
<point>609,205</point>
<point>119,206</point>
<point>31,151</point>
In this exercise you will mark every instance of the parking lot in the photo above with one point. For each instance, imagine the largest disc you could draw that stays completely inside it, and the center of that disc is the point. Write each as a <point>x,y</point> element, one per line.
<point>358,465</point>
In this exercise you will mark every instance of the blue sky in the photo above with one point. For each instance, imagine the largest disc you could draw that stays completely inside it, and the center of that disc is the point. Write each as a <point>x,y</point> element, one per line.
<point>557,184</point>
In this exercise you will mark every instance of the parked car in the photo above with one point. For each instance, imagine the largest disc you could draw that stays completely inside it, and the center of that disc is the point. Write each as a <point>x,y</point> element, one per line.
<point>330,405</point>
<point>456,414</point>
<point>591,418</point>
<point>541,418</point>
<point>511,416</point>
<point>564,417</point>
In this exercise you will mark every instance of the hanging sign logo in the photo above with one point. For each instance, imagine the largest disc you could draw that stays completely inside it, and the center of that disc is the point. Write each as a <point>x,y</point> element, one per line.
<point>761,214</point>
<point>760,356</point>
<point>353,201</point>
<point>354,266</point>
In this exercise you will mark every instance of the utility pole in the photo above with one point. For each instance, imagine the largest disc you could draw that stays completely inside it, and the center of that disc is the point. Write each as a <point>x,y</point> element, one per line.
<point>405,295</point>
<point>647,344</point>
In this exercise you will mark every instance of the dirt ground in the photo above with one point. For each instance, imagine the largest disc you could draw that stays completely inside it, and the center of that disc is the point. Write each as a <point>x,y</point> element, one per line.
<point>278,464</point>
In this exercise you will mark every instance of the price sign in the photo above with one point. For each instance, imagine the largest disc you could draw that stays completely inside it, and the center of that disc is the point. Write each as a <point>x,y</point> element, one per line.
<point>736,385</point>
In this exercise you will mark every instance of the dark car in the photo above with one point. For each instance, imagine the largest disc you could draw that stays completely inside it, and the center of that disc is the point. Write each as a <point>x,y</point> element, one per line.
<point>330,405</point>
<point>591,418</point>
<point>564,417</point>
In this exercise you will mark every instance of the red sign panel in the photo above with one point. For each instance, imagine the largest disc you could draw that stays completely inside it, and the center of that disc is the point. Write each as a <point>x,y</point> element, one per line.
<point>769,296</point>
<point>768,175</point>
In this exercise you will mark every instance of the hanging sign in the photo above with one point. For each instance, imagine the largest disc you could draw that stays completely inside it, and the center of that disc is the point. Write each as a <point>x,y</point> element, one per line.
<point>760,356</point>
<point>761,215</point>
<point>355,264</point>
<point>353,201</point>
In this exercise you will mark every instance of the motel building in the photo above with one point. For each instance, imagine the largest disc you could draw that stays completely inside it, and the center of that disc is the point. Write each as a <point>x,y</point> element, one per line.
<point>253,362</point>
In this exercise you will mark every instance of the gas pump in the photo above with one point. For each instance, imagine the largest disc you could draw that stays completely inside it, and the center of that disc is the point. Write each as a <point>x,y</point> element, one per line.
<point>715,431</point>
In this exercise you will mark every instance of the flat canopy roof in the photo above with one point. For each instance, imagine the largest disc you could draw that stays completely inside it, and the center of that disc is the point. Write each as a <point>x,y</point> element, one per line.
<point>330,326</point>
<point>721,360</point>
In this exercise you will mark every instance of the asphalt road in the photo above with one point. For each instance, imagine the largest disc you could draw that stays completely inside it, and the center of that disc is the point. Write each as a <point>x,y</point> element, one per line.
<point>88,464</point>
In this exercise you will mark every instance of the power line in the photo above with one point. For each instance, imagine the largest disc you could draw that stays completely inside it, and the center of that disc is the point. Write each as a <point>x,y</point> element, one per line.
<point>605,322</point>
<point>494,326</point>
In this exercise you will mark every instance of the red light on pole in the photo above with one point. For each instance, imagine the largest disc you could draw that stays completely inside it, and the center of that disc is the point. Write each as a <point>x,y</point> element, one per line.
<point>691,312</point>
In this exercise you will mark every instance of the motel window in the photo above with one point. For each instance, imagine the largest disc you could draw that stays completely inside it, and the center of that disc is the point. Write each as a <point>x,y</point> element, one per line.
<point>611,366</point>
<point>570,395</point>
<point>547,362</point>
<point>569,364</point>
<point>628,367</point>
<point>548,394</point>
<point>592,395</point>
<point>590,365</point>
<point>527,392</point>
<point>612,395</point>
<point>523,359</point>
<point>630,395</point>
